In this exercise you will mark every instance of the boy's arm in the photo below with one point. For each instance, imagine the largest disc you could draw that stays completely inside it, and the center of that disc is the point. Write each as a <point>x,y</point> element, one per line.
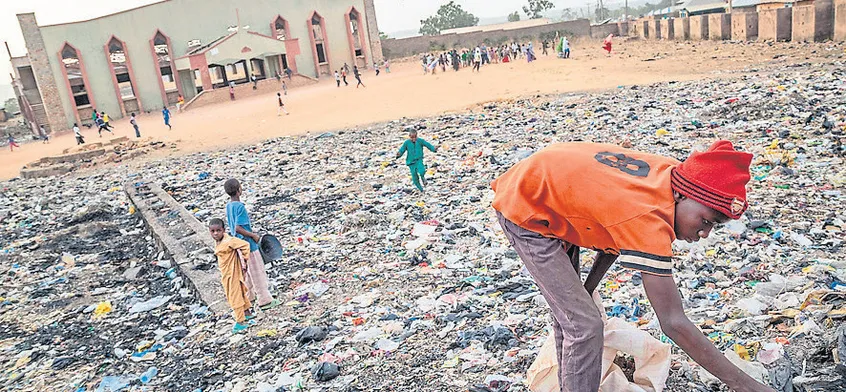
<point>246,233</point>
<point>429,146</point>
<point>401,150</point>
<point>664,296</point>
<point>240,246</point>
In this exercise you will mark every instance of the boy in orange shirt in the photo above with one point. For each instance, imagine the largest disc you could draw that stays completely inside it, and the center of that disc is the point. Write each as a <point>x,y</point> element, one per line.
<point>231,253</point>
<point>626,205</point>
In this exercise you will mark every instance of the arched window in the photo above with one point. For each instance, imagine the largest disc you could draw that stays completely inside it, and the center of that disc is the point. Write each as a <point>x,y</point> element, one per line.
<point>161,48</point>
<point>355,35</point>
<point>280,28</point>
<point>119,61</point>
<point>318,36</point>
<point>75,75</point>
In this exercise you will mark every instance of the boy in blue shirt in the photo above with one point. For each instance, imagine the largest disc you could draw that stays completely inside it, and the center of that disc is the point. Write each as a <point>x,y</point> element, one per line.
<point>413,148</point>
<point>166,115</point>
<point>238,222</point>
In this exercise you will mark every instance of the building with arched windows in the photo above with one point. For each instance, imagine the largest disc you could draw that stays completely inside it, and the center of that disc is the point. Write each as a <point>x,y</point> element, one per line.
<point>142,59</point>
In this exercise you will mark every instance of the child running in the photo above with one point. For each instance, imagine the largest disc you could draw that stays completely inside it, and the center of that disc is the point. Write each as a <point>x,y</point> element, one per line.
<point>12,143</point>
<point>413,148</point>
<point>281,105</point>
<point>231,253</point>
<point>626,205</point>
<point>357,76</point>
<point>101,126</point>
<point>166,116</point>
<point>239,226</point>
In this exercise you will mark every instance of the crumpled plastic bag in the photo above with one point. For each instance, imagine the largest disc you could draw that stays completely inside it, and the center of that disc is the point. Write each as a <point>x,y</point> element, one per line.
<point>651,357</point>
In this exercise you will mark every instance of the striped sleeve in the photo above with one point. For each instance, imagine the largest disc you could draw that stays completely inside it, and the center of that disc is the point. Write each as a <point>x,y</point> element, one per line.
<point>645,262</point>
<point>646,244</point>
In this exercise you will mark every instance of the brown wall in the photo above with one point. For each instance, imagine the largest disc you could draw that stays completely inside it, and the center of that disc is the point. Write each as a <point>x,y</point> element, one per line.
<point>823,20</point>
<point>719,27</point>
<point>775,24</point>
<point>668,28</point>
<point>681,29</point>
<point>602,31</point>
<point>404,47</point>
<point>839,20</point>
<point>803,24</point>
<point>744,27</point>
<point>699,27</point>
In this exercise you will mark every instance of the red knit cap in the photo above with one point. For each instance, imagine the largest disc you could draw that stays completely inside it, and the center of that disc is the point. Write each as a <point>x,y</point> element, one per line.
<point>716,178</point>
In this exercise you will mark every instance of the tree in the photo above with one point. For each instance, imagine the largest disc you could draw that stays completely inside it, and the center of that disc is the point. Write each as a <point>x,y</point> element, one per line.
<point>11,105</point>
<point>514,17</point>
<point>449,16</point>
<point>601,13</point>
<point>383,36</point>
<point>535,8</point>
<point>568,14</point>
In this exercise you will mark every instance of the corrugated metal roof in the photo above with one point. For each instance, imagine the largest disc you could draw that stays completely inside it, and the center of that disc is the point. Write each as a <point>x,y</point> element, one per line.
<point>703,5</point>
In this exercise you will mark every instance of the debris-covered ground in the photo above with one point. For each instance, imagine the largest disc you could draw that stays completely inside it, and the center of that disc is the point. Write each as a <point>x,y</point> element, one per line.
<point>412,292</point>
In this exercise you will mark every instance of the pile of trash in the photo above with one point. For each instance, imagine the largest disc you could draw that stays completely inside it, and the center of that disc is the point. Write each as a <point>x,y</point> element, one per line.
<point>384,288</point>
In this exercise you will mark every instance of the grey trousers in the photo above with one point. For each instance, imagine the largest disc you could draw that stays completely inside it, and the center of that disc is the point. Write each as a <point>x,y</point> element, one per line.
<point>577,323</point>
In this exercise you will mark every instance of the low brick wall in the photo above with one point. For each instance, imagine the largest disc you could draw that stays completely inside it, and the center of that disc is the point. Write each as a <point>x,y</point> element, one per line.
<point>265,87</point>
<point>602,31</point>
<point>394,48</point>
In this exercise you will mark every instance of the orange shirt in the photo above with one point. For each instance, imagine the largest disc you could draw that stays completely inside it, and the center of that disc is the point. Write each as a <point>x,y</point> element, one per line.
<point>597,196</point>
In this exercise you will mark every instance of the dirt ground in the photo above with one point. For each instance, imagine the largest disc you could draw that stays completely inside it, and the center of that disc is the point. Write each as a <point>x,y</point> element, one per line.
<point>407,92</point>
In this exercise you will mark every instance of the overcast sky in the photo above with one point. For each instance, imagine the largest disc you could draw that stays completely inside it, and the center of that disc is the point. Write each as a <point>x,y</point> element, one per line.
<point>393,15</point>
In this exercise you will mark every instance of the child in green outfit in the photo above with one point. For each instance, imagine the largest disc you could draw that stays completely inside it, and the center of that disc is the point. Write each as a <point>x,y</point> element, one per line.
<point>413,148</point>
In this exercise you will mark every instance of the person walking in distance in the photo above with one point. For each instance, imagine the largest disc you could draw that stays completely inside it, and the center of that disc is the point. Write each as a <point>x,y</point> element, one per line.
<point>78,135</point>
<point>281,105</point>
<point>337,78</point>
<point>344,76</point>
<point>357,77</point>
<point>134,123</point>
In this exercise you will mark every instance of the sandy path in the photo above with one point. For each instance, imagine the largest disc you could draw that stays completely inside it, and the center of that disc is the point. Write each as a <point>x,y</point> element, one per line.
<point>406,92</point>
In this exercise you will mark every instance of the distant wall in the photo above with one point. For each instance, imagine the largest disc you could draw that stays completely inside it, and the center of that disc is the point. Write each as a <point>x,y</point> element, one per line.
<point>404,47</point>
<point>681,29</point>
<point>744,26</point>
<point>699,27</point>
<point>839,20</point>
<point>602,31</point>
<point>775,24</point>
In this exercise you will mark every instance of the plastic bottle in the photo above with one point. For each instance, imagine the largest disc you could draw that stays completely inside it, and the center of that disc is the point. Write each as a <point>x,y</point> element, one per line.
<point>148,376</point>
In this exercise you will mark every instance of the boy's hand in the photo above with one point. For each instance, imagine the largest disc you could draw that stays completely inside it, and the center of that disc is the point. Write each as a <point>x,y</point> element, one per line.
<point>256,237</point>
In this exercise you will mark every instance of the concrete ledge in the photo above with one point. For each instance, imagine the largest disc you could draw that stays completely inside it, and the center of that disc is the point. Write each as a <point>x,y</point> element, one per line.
<point>41,172</point>
<point>183,237</point>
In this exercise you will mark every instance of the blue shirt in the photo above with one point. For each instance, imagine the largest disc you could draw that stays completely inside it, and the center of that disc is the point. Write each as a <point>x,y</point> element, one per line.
<point>236,215</point>
<point>166,113</point>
